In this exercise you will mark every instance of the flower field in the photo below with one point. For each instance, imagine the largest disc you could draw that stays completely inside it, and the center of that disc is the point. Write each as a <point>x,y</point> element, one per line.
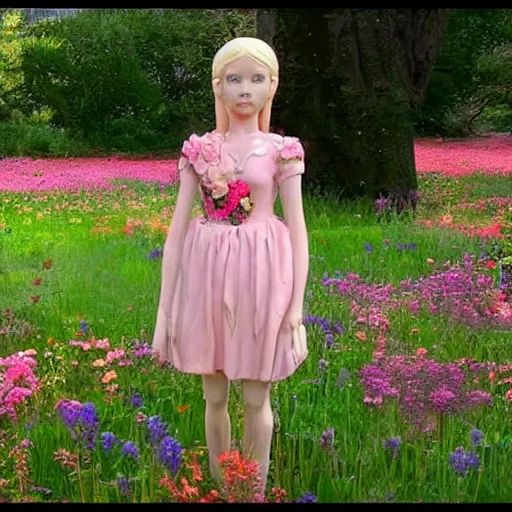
<point>406,395</point>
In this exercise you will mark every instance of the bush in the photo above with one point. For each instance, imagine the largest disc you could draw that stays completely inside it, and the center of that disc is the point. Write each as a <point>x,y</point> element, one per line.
<point>128,79</point>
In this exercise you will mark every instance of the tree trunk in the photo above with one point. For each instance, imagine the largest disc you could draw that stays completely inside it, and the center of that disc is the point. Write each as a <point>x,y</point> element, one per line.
<point>348,79</point>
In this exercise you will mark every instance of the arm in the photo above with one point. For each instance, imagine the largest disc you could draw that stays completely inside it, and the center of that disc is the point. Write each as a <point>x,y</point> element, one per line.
<point>172,255</point>
<point>172,252</point>
<point>291,199</point>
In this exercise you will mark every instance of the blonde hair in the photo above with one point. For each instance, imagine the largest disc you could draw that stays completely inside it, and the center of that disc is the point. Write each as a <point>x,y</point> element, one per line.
<point>258,50</point>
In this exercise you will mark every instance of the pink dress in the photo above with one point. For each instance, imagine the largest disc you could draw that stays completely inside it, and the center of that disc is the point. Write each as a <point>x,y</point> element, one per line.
<point>236,281</point>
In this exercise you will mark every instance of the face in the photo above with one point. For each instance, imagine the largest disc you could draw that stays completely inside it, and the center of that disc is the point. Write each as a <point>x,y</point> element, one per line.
<point>245,87</point>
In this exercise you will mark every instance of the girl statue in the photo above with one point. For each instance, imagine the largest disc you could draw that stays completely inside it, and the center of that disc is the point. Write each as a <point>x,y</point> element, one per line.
<point>234,279</point>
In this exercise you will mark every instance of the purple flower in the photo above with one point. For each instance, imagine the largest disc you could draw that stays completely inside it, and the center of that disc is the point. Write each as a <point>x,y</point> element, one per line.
<point>307,498</point>
<point>136,400</point>
<point>393,443</point>
<point>90,423</point>
<point>42,490</point>
<point>123,484</point>
<point>81,420</point>
<point>157,253</point>
<point>368,247</point>
<point>381,204</point>
<point>170,453</point>
<point>476,437</point>
<point>322,365</point>
<point>129,449</point>
<point>141,350</point>
<point>442,399</point>
<point>462,461</point>
<point>327,439</point>
<point>329,340</point>
<point>157,429</point>
<point>109,440</point>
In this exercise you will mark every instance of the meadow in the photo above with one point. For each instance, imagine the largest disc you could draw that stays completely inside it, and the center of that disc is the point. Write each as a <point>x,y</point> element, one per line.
<point>406,395</point>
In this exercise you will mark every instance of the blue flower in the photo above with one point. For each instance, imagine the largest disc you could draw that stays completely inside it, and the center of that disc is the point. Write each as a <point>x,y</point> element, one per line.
<point>170,454</point>
<point>307,498</point>
<point>462,462</point>
<point>157,429</point>
<point>109,440</point>
<point>129,449</point>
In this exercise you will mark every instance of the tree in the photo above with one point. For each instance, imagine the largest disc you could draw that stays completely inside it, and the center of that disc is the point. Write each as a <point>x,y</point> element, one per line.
<point>348,80</point>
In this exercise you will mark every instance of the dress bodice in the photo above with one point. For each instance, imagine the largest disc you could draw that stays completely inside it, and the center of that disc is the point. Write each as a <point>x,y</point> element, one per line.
<point>225,177</point>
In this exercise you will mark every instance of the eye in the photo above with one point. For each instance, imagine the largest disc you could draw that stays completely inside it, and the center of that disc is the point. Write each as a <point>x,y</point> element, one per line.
<point>233,78</point>
<point>259,78</point>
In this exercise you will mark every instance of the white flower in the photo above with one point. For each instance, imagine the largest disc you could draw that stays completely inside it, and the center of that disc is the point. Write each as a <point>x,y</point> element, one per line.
<point>246,204</point>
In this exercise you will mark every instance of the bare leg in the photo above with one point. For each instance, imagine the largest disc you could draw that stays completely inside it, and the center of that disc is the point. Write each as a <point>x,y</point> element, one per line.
<point>259,424</point>
<point>217,421</point>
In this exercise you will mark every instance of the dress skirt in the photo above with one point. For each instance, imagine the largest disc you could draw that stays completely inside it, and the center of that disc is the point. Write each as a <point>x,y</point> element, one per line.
<point>231,296</point>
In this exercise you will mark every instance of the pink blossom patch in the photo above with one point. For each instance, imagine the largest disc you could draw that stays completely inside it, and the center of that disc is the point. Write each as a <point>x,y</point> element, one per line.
<point>27,174</point>
<point>490,155</point>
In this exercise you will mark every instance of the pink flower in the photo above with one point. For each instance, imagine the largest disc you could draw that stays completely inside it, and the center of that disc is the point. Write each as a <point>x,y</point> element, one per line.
<point>191,148</point>
<point>210,147</point>
<point>292,148</point>
<point>118,353</point>
<point>102,344</point>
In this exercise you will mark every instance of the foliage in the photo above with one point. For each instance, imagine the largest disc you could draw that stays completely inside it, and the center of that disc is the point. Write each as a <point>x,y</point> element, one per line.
<point>127,79</point>
<point>453,89</point>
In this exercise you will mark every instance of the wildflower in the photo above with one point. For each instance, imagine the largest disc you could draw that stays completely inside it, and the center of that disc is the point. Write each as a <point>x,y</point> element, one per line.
<point>156,253</point>
<point>327,438</point>
<point>110,375</point>
<point>136,400</point>
<point>170,453</point>
<point>123,484</point>
<point>307,498</point>
<point>109,440</point>
<point>393,443</point>
<point>80,419</point>
<point>329,340</point>
<point>241,477</point>
<point>140,417</point>
<point>157,429</point>
<point>462,461</point>
<point>129,449</point>
<point>322,365</point>
<point>476,437</point>
<point>361,336</point>
<point>66,459</point>
<point>42,490</point>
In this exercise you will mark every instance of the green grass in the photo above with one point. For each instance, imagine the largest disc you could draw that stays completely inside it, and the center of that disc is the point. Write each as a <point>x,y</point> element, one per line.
<point>108,281</point>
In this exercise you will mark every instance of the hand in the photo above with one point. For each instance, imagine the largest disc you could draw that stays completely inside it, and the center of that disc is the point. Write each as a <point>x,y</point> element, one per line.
<point>292,319</point>
<point>292,324</point>
<point>160,335</point>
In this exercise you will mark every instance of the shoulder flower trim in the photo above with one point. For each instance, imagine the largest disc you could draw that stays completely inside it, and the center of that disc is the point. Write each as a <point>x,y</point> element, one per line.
<point>289,148</point>
<point>201,152</point>
<point>292,148</point>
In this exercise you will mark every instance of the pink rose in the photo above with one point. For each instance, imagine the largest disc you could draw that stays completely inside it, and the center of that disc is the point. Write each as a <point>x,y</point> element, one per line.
<point>292,148</point>
<point>210,148</point>
<point>191,148</point>
<point>219,189</point>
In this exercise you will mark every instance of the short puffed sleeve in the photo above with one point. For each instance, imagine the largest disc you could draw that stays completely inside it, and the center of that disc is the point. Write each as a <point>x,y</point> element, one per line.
<point>291,158</point>
<point>190,152</point>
